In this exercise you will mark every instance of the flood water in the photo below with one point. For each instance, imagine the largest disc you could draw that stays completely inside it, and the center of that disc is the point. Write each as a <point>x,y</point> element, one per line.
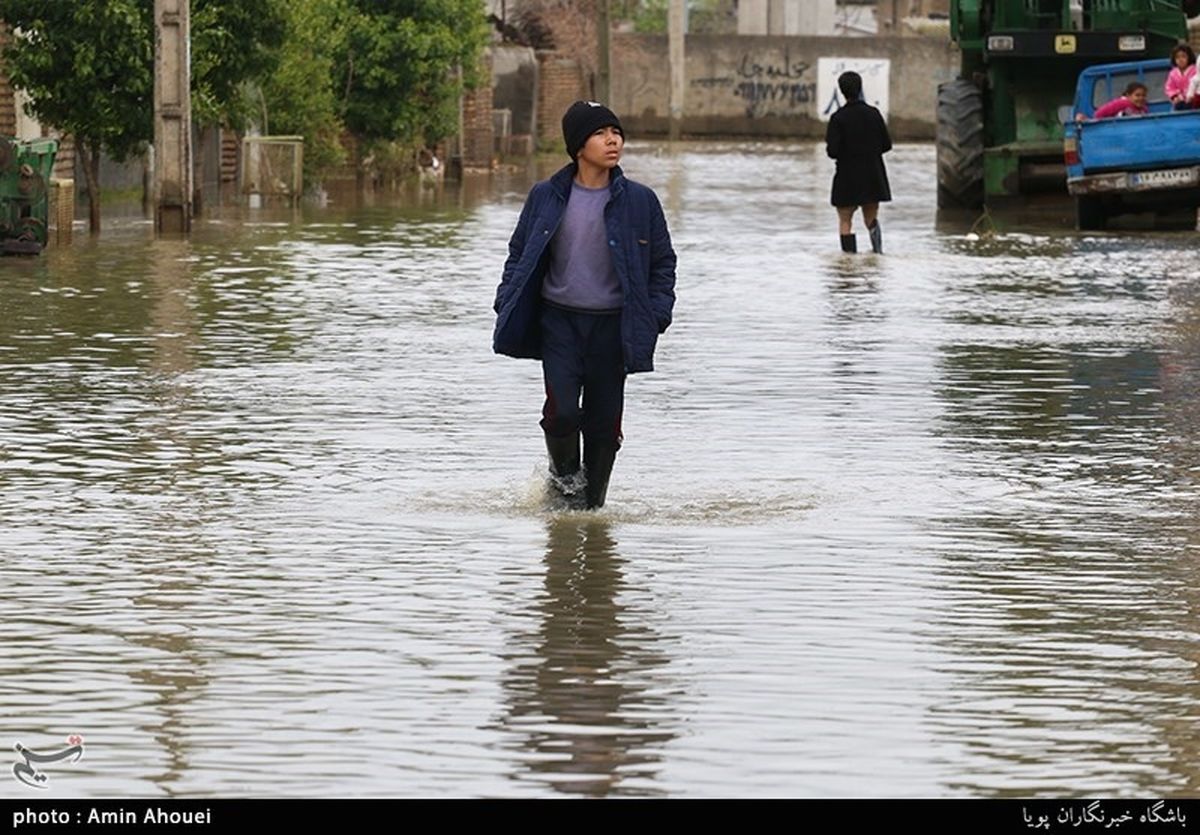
<point>915,525</point>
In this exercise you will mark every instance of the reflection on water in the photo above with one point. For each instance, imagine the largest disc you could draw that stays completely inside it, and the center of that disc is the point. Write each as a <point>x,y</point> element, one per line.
<point>918,524</point>
<point>1072,616</point>
<point>583,693</point>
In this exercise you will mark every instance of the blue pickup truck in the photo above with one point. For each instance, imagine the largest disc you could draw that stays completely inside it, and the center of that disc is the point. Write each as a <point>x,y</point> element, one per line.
<point>1130,163</point>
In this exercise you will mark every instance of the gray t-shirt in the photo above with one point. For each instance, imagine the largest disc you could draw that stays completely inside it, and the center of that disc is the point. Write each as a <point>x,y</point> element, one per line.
<point>581,273</point>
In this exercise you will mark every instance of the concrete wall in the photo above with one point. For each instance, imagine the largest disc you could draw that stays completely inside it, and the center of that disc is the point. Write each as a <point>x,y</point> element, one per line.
<point>787,17</point>
<point>27,127</point>
<point>114,176</point>
<point>892,13</point>
<point>514,78</point>
<point>220,167</point>
<point>755,85</point>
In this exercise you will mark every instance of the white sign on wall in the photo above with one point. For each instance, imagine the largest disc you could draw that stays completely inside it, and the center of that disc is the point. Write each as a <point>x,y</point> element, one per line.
<point>874,72</point>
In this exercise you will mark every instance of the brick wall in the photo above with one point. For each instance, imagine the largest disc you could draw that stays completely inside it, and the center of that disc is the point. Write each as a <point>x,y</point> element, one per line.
<point>231,145</point>
<point>62,210</point>
<point>8,107</point>
<point>560,83</point>
<point>478,135</point>
<point>64,160</point>
<point>572,28</point>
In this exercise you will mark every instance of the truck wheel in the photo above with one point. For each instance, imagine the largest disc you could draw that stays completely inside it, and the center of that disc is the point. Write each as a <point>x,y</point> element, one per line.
<point>1090,214</point>
<point>960,145</point>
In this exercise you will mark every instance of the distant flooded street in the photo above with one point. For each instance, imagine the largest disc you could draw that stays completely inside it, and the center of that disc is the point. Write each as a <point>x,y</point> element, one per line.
<point>914,525</point>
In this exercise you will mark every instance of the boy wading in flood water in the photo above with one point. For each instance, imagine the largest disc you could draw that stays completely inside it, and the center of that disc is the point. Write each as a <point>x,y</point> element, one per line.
<point>588,286</point>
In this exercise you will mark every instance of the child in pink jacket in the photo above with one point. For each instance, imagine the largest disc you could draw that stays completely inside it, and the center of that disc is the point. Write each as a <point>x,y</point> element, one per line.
<point>1183,70</point>
<point>1133,103</point>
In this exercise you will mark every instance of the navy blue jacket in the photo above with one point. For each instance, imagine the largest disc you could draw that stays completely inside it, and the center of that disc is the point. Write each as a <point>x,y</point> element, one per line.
<point>641,255</point>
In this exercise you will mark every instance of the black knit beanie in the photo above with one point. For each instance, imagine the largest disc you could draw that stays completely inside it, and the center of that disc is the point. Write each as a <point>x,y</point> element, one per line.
<point>584,118</point>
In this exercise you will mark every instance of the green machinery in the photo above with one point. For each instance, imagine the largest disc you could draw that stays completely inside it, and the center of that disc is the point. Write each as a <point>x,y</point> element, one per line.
<point>25,170</point>
<point>999,124</point>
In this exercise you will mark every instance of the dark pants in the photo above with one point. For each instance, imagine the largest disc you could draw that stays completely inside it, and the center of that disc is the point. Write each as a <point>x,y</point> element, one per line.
<point>581,353</point>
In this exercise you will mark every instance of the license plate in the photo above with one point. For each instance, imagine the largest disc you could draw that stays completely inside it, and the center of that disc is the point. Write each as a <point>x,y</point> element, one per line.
<point>1158,179</point>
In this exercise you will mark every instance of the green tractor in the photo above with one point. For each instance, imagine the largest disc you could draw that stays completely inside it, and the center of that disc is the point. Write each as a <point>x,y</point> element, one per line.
<point>999,124</point>
<point>25,171</point>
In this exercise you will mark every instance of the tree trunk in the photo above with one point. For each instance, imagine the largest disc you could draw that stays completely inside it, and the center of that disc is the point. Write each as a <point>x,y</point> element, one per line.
<point>91,173</point>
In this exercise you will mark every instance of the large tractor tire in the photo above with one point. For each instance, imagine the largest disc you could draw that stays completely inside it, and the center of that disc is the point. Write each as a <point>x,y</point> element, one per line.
<point>960,145</point>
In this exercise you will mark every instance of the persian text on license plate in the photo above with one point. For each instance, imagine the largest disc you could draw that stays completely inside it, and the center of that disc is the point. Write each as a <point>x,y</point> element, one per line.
<point>1171,177</point>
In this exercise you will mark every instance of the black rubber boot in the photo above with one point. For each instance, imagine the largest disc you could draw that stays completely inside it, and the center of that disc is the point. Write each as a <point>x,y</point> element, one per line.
<point>876,233</point>
<point>850,243</point>
<point>566,478</point>
<point>598,462</point>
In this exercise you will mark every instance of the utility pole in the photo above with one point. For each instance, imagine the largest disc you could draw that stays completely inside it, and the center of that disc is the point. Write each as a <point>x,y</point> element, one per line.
<point>604,72</point>
<point>172,117</point>
<point>675,55</point>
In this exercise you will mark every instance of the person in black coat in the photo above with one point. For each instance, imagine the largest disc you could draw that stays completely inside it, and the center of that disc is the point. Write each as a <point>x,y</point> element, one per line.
<point>857,138</point>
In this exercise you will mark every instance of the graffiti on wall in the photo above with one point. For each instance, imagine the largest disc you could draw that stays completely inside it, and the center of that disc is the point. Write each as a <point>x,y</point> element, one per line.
<point>760,96</point>
<point>875,75</point>
<point>776,84</point>
<point>767,85</point>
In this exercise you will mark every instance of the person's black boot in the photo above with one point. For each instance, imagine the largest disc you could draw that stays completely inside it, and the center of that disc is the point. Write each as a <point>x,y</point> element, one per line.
<point>850,243</point>
<point>876,233</point>
<point>597,465</point>
<point>566,477</point>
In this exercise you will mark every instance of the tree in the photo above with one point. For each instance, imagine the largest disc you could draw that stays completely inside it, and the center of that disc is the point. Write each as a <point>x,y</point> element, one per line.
<point>233,42</point>
<point>405,65</point>
<point>88,69</point>
<point>299,97</point>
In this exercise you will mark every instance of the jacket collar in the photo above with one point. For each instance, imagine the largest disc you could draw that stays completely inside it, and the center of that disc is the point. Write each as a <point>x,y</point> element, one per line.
<point>561,180</point>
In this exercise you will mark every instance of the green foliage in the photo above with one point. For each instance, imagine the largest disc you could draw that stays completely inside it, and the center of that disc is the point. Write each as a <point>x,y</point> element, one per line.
<point>299,97</point>
<point>394,160</point>
<point>233,42</point>
<point>704,17</point>
<point>398,72</point>
<point>88,65</point>
<point>88,68</point>
<point>650,17</point>
<point>386,70</point>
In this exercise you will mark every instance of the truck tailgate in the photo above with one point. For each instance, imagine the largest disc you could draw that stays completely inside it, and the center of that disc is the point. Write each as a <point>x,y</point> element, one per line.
<point>1163,140</point>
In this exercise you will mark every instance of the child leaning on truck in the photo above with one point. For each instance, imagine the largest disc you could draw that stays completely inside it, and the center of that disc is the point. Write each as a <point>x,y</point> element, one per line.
<point>1132,103</point>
